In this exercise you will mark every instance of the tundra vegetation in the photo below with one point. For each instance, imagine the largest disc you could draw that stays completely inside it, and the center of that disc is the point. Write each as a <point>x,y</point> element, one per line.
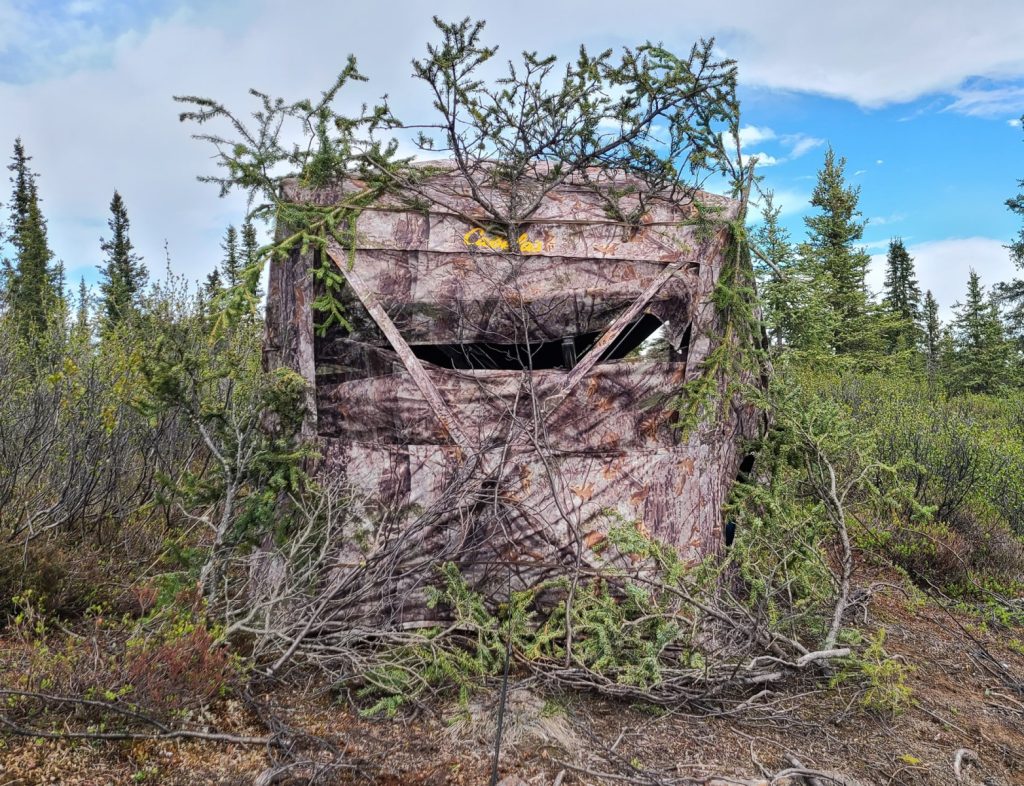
<point>163,546</point>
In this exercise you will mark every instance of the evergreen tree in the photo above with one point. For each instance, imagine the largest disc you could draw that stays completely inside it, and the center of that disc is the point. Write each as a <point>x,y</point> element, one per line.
<point>61,309</point>
<point>232,263</point>
<point>123,275</point>
<point>981,355</point>
<point>82,328</point>
<point>1016,205</point>
<point>902,300</point>
<point>239,254</point>
<point>932,330</point>
<point>947,357</point>
<point>792,312</point>
<point>1011,293</point>
<point>213,285</point>
<point>839,268</point>
<point>250,245</point>
<point>23,184</point>
<point>250,252</point>
<point>31,280</point>
<point>1011,296</point>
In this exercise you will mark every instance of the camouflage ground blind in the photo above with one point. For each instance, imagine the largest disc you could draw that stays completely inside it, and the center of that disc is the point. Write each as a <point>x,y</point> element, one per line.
<point>519,358</point>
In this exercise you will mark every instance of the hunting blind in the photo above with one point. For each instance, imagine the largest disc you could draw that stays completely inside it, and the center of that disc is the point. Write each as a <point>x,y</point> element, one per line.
<point>489,399</point>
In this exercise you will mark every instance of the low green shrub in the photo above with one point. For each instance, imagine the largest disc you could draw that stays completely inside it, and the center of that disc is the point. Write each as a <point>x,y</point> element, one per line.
<point>881,678</point>
<point>163,665</point>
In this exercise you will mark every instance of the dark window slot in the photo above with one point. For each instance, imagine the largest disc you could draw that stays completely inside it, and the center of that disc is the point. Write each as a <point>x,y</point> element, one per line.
<point>729,533</point>
<point>744,475</point>
<point>632,337</point>
<point>538,355</point>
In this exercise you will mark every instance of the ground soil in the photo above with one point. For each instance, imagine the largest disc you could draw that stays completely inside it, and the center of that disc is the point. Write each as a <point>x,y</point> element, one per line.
<point>962,679</point>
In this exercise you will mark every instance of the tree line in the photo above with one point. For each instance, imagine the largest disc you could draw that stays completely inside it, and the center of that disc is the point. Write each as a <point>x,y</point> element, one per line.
<point>33,290</point>
<point>817,302</point>
<point>814,293</point>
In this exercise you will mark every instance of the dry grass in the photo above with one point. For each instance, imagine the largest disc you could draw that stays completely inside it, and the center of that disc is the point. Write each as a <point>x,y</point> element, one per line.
<point>961,699</point>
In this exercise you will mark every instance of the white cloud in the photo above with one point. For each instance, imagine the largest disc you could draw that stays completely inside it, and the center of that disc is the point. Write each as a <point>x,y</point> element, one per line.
<point>797,144</point>
<point>879,162</point>
<point>924,47</point>
<point>763,159</point>
<point>801,144</point>
<point>13,25</point>
<point>943,266</point>
<point>1015,122</point>
<point>83,7</point>
<point>99,116</point>
<point>988,101</point>
<point>893,218</point>
<point>859,172</point>
<point>753,135</point>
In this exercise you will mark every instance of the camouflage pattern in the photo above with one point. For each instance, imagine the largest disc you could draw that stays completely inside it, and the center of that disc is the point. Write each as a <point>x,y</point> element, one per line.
<point>562,465</point>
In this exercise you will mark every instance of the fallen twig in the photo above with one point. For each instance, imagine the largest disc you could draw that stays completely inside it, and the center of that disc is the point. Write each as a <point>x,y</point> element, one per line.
<point>962,756</point>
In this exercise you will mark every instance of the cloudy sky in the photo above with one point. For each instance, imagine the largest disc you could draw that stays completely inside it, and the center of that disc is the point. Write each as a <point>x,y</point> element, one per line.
<point>923,97</point>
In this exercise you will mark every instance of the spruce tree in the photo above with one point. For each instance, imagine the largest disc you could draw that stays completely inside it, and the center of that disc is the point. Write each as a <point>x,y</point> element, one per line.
<point>1016,205</point>
<point>82,328</point>
<point>250,252</point>
<point>1011,293</point>
<point>23,183</point>
<point>31,279</point>
<point>123,275</point>
<point>838,267</point>
<point>213,285</point>
<point>947,358</point>
<point>932,330</point>
<point>981,354</point>
<point>792,312</point>
<point>61,308</point>
<point>250,245</point>
<point>902,300</point>
<point>1011,296</point>
<point>232,263</point>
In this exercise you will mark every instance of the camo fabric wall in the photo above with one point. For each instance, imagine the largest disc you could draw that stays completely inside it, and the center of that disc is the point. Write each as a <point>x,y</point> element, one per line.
<point>497,323</point>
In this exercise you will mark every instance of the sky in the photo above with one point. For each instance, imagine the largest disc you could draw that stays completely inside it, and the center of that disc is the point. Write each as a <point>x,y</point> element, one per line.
<point>922,97</point>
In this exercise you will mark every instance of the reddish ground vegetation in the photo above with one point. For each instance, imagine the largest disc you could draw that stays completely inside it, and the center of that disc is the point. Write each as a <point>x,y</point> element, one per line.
<point>961,676</point>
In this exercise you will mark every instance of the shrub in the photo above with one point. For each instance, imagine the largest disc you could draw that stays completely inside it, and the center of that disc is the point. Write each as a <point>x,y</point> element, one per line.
<point>163,665</point>
<point>881,678</point>
<point>64,574</point>
<point>958,462</point>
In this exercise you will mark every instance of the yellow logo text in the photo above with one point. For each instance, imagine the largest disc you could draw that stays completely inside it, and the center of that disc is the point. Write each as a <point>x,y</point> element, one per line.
<point>478,238</point>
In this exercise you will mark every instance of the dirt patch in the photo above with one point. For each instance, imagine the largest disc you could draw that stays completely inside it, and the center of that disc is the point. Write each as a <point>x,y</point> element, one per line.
<point>961,677</point>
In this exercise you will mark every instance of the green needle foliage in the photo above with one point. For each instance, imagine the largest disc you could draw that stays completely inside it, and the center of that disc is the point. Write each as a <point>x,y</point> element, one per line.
<point>123,276</point>
<point>1011,293</point>
<point>335,149</point>
<point>932,330</point>
<point>32,282</point>
<point>837,265</point>
<point>981,357</point>
<point>646,112</point>
<point>793,307</point>
<point>902,301</point>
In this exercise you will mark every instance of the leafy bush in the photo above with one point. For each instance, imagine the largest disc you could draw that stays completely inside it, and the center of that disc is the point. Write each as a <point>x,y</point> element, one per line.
<point>881,678</point>
<point>163,665</point>
<point>958,465</point>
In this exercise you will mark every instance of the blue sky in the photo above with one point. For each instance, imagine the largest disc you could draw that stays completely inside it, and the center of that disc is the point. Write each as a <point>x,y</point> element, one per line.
<point>920,99</point>
<point>935,177</point>
<point>923,172</point>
